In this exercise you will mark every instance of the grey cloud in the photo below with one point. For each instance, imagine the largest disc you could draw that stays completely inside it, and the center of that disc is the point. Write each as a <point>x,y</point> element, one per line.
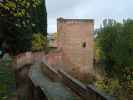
<point>61,6</point>
<point>94,9</point>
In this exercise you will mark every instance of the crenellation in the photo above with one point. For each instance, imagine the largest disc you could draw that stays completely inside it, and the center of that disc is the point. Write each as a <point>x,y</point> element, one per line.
<point>74,20</point>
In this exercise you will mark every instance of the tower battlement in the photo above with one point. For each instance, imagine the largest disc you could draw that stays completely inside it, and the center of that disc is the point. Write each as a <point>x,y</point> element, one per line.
<point>62,20</point>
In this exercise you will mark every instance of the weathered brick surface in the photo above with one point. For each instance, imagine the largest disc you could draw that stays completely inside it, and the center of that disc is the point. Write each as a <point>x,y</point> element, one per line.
<point>73,34</point>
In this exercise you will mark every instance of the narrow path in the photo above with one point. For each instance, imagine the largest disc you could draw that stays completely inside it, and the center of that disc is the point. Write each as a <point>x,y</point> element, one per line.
<point>53,90</point>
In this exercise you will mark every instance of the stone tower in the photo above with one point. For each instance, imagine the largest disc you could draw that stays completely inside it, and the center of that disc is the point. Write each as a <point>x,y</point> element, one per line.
<point>75,40</point>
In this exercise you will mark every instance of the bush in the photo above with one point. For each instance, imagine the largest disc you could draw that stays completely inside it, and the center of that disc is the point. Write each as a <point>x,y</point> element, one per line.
<point>115,88</point>
<point>7,78</point>
<point>39,42</point>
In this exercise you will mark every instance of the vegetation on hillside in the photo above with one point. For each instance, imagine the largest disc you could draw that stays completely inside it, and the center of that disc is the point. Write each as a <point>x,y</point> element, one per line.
<point>114,49</point>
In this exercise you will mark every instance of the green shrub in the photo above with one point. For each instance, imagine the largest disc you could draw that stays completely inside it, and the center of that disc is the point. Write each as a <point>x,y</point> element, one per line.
<point>115,88</point>
<point>7,79</point>
<point>38,42</point>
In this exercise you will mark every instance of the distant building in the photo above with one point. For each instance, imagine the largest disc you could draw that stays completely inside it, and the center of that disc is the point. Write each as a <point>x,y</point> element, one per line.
<point>52,41</point>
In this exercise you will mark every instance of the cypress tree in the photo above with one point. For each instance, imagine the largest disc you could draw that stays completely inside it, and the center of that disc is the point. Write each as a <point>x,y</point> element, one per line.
<point>40,19</point>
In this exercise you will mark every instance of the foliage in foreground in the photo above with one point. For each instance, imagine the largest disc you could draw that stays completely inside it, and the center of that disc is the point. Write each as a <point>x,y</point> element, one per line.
<point>7,79</point>
<point>19,19</point>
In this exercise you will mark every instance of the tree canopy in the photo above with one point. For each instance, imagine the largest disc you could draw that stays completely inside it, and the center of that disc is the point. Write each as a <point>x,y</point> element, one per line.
<point>115,42</point>
<point>18,23</point>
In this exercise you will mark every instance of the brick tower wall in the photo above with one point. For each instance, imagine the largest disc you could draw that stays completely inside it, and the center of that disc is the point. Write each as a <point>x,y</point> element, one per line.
<point>76,42</point>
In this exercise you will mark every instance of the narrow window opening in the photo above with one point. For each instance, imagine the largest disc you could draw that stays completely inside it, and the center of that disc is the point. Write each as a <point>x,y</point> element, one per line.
<point>84,44</point>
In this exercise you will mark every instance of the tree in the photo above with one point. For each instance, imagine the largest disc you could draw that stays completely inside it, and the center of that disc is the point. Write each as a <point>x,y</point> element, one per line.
<point>40,18</point>
<point>115,41</point>
<point>16,23</point>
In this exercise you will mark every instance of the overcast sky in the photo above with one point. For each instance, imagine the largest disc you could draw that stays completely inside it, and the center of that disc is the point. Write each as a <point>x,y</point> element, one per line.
<point>91,9</point>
